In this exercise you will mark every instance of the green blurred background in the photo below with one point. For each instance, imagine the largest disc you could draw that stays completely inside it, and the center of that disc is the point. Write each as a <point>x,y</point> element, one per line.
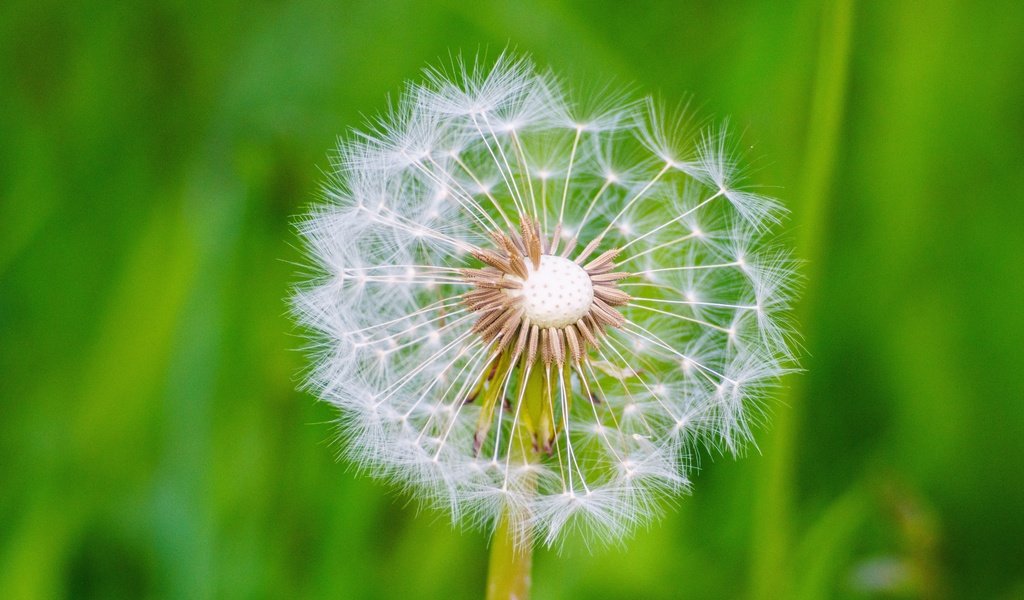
<point>153,156</point>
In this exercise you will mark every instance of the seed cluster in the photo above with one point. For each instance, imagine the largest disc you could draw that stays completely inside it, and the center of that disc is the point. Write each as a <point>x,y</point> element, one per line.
<point>499,296</point>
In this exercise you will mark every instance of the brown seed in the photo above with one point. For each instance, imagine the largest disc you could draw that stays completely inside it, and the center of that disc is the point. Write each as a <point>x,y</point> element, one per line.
<point>502,318</point>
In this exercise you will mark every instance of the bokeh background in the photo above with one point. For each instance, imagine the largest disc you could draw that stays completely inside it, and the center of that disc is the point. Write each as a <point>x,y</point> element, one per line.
<point>153,156</point>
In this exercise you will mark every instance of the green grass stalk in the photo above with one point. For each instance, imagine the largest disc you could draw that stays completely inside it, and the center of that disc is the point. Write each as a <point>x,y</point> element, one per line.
<point>773,524</point>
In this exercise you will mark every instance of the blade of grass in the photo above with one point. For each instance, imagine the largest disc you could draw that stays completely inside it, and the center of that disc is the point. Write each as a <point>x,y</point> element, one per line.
<point>774,505</point>
<point>823,551</point>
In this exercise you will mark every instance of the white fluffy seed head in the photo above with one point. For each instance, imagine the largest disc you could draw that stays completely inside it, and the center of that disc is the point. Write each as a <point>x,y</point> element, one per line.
<point>422,397</point>
<point>556,294</point>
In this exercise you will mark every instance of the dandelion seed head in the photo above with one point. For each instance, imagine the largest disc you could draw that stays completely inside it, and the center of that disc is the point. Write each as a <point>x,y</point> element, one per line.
<point>538,304</point>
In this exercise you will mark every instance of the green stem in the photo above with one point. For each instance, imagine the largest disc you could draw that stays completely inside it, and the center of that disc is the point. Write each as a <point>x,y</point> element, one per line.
<point>508,576</point>
<point>773,535</point>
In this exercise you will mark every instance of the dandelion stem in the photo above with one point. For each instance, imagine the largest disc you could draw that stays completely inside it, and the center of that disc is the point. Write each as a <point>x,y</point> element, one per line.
<point>508,576</point>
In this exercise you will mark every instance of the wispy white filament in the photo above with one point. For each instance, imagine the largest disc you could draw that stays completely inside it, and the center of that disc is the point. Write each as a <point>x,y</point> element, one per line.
<point>459,158</point>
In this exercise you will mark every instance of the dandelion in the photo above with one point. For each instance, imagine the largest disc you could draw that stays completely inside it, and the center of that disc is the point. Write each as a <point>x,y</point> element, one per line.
<point>531,310</point>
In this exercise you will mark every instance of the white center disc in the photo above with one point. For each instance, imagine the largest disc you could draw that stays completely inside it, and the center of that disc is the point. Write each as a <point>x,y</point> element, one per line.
<point>557,294</point>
